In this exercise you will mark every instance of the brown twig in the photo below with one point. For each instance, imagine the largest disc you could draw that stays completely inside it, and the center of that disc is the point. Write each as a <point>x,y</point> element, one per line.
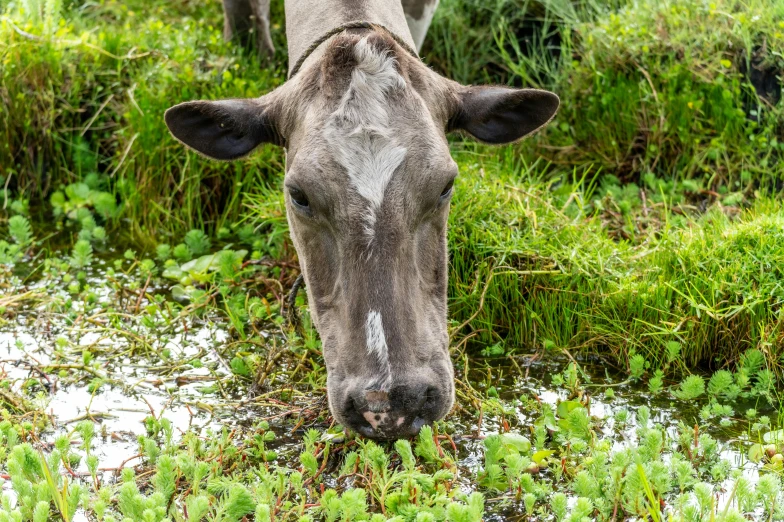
<point>141,294</point>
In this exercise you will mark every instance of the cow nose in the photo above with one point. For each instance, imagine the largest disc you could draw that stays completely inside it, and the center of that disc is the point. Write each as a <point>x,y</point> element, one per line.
<point>398,413</point>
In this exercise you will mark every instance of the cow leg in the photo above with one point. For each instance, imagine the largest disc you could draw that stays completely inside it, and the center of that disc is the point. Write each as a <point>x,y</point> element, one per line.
<point>245,20</point>
<point>419,14</point>
<point>261,13</point>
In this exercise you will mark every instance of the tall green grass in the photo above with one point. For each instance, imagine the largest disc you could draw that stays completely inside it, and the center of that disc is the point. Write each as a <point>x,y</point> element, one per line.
<point>677,88</point>
<point>539,265</point>
<point>85,91</point>
<point>84,87</point>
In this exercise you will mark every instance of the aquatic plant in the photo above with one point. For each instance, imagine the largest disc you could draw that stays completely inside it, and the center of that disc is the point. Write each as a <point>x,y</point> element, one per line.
<point>20,231</point>
<point>231,474</point>
<point>21,235</point>
<point>691,388</point>
<point>651,237</point>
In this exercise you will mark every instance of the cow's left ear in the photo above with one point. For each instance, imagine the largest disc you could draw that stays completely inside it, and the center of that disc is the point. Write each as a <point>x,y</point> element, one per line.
<point>225,129</point>
<point>501,115</point>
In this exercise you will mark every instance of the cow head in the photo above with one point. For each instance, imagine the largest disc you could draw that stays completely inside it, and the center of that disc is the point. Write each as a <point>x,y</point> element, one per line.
<point>368,185</point>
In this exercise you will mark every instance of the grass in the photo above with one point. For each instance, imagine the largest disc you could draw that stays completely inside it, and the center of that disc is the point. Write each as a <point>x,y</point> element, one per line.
<point>144,284</point>
<point>662,103</point>
<point>614,269</point>
<point>86,90</point>
<point>637,212</point>
<point>642,90</point>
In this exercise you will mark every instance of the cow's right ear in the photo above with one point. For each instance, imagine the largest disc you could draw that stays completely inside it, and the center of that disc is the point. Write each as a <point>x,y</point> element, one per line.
<point>225,129</point>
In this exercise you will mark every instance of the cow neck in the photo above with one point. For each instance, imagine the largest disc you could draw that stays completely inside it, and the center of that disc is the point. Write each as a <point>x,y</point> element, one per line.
<point>309,24</point>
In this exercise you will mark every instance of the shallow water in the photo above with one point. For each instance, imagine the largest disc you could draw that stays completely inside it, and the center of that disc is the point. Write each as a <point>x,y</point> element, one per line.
<point>537,383</point>
<point>146,363</point>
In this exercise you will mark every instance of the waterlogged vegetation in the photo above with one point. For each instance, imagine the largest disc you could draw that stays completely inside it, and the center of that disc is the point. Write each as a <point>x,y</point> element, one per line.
<point>167,386</point>
<point>615,282</point>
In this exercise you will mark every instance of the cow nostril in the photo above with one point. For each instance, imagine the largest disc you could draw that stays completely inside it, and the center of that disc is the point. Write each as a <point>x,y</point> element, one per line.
<point>431,396</point>
<point>355,414</point>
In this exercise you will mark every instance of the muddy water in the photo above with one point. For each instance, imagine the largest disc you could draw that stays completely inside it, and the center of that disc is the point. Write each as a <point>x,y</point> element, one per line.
<point>178,370</point>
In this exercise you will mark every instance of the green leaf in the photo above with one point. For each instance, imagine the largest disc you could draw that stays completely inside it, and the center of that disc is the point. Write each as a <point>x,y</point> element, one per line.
<point>240,367</point>
<point>173,272</point>
<point>774,436</point>
<point>209,262</point>
<point>691,388</point>
<point>653,503</point>
<point>19,229</point>
<point>197,241</point>
<point>566,407</point>
<point>756,453</point>
<point>540,456</point>
<point>179,293</point>
<point>200,265</point>
<point>516,441</point>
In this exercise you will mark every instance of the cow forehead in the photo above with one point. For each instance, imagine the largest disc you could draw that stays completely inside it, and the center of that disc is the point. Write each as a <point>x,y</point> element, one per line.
<point>363,134</point>
<point>359,133</point>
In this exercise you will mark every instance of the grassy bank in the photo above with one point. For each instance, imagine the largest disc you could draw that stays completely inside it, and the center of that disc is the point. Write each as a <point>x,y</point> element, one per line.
<point>538,263</point>
<point>678,88</point>
<point>618,269</point>
<point>85,88</point>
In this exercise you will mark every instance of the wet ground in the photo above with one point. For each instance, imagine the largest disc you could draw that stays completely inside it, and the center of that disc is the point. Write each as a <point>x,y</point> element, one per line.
<point>117,356</point>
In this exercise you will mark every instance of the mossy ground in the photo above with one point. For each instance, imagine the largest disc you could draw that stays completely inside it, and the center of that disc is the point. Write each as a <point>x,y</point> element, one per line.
<point>644,226</point>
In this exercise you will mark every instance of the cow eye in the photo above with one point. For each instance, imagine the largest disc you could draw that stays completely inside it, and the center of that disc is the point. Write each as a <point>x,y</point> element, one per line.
<point>447,190</point>
<point>298,197</point>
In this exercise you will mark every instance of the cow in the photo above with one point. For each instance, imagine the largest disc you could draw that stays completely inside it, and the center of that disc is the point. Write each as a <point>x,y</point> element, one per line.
<point>368,183</point>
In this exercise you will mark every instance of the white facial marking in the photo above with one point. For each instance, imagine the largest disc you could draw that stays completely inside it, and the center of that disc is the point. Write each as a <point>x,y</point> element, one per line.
<point>358,130</point>
<point>376,341</point>
<point>377,347</point>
